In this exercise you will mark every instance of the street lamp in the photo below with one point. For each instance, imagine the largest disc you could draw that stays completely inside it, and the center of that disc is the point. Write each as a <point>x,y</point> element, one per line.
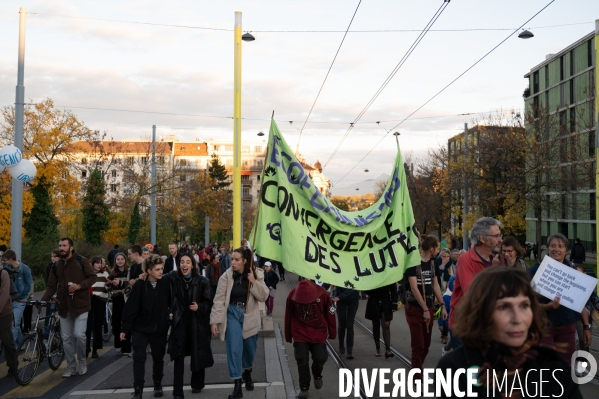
<point>260,134</point>
<point>525,34</point>
<point>248,37</point>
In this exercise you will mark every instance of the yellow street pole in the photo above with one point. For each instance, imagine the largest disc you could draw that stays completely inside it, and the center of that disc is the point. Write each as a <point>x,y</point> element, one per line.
<point>237,134</point>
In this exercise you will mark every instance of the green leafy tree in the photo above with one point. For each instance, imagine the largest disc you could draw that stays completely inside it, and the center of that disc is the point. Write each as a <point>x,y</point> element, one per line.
<point>134,224</point>
<point>218,173</point>
<point>41,222</point>
<point>95,211</point>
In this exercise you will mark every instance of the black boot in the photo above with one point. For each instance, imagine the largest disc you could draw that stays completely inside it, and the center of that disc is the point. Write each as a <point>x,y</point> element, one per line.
<point>137,394</point>
<point>237,391</point>
<point>247,377</point>
<point>158,393</point>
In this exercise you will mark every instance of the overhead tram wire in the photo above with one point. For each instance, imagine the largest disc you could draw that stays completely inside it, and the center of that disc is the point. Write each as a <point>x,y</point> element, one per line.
<point>297,31</point>
<point>391,75</point>
<point>327,75</point>
<point>444,88</point>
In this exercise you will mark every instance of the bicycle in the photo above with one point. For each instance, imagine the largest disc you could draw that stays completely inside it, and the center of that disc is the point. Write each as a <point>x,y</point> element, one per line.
<point>32,350</point>
<point>107,328</point>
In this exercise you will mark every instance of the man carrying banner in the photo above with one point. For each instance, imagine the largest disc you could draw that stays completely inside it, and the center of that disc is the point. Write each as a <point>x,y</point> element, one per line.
<point>309,321</point>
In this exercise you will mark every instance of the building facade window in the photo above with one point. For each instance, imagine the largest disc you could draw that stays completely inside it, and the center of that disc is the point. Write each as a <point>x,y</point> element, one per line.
<point>113,188</point>
<point>229,148</point>
<point>84,173</point>
<point>258,149</point>
<point>113,173</point>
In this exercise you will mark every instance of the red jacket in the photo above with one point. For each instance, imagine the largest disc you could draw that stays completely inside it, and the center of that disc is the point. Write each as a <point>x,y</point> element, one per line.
<point>308,316</point>
<point>469,264</point>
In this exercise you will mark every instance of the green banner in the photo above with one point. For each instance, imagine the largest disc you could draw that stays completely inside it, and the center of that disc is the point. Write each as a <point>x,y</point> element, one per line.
<point>298,226</point>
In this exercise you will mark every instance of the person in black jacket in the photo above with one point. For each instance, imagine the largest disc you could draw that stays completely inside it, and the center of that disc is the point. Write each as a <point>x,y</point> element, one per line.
<point>270,280</point>
<point>172,262</point>
<point>347,302</point>
<point>501,324</point>
<point>190,332</point>
<point>382,303</point>
<point>146,321</point>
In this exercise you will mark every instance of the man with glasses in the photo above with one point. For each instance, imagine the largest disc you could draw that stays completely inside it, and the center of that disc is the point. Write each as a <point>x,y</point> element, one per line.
<point>135,256</point>
<point>485,238</point>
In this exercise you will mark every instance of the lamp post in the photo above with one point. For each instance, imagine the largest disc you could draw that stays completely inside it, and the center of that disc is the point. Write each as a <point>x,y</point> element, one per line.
<point>237,127</point>
<point>16,218</point>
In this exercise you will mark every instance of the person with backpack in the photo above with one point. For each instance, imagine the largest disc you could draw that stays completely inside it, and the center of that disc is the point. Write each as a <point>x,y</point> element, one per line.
<point>6,321</point>
<point>116,283</point>
<point>21,275</point>
<point>71,280</point>
<point>421,291</point>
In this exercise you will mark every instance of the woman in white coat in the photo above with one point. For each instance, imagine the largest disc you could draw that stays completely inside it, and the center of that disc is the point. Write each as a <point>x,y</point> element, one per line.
<point>235,314</point>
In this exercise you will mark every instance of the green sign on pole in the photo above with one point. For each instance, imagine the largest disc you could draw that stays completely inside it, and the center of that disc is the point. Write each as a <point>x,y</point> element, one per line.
<point>298,226</point>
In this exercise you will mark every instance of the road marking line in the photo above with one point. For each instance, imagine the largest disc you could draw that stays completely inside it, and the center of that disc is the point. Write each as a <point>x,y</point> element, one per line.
<point>165,388</point>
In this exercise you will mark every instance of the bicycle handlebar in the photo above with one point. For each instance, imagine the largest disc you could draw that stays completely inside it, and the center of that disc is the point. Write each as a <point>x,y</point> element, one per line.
<point>42,303</point>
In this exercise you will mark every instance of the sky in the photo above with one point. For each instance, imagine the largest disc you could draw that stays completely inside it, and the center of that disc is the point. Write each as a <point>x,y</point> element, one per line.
<point>187,69</point>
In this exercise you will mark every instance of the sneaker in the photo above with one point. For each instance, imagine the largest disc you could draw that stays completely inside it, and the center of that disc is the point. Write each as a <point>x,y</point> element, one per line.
<point>94,355</point>
<point>126,354</point>
<point>137,393</point>
<point>303,394</point>
<point>318,382</point>
<point>82,369</point>
<point>69,373</point>
<point>350,356</point>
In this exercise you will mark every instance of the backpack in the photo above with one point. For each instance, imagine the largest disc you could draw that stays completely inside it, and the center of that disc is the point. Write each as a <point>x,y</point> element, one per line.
<point>79,260</point>
<point>13,293</point>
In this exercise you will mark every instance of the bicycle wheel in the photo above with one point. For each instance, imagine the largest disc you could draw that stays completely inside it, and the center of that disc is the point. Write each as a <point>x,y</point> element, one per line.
<point>55,350</point>
<point>107,327</point>
<point>28,360</point>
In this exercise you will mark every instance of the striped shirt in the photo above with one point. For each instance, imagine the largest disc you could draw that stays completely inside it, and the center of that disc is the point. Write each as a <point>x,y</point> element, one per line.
<point>99,287</point>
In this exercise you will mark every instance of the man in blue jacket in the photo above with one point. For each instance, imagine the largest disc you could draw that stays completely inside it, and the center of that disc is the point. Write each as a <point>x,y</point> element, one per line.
<point>21,275</point>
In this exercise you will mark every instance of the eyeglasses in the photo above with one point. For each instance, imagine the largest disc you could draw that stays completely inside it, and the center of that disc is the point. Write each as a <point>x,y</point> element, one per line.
<point>495,235</point>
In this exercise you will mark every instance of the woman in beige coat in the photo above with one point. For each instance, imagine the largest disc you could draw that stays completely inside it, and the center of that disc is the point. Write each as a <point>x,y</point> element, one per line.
<point>236,316</point>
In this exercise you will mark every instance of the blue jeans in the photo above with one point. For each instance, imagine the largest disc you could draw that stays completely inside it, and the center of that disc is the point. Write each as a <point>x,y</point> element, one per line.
<point>240,352</point>
<point>17,308</point>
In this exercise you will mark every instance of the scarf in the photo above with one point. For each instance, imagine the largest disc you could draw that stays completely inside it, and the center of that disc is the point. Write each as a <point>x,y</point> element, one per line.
<point>502,358</point>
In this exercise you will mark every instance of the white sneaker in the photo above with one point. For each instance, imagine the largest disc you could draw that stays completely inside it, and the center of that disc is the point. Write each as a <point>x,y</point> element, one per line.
<point>69,373</point>
<point>82,369</point>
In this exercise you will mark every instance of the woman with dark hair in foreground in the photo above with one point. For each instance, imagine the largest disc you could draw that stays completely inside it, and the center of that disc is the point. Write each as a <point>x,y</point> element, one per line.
<point>501,324</point>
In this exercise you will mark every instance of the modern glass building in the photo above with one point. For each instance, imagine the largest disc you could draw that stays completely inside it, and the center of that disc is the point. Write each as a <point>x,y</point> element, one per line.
<point>562,88</point>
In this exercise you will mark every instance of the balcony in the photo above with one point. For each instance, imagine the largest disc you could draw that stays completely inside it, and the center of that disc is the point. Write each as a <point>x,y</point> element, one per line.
<point>247,183</point>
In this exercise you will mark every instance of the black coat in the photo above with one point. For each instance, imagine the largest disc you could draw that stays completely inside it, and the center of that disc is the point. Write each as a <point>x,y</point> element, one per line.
<point>381,300</point>
<point>147,308</point>
<point>170,262</point>
<point>271,279</point>
<point>465,357</point>
<point>193,326</point>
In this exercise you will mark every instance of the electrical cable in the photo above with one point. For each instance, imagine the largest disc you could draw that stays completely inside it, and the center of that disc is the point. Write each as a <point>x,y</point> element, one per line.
<point>444,88</point>
<point>326,76</point>
<point>299,31</point>
<point>391,75</point>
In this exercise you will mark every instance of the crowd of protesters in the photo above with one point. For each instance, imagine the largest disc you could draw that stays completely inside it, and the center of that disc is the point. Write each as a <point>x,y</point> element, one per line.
<point>196,292</point>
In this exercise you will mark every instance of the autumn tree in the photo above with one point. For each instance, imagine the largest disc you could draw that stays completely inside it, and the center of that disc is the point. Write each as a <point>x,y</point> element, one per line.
<point>340,202</point>
<point>94,209</point>
<point>47,135</point>
<point>6,206</point>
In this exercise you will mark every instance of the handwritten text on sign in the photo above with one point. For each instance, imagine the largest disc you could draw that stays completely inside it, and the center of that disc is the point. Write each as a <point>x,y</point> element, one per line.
<point>556,279</point>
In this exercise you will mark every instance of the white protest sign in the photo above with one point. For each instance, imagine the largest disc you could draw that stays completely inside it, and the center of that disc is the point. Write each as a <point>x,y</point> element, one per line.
<point>553,279</point>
